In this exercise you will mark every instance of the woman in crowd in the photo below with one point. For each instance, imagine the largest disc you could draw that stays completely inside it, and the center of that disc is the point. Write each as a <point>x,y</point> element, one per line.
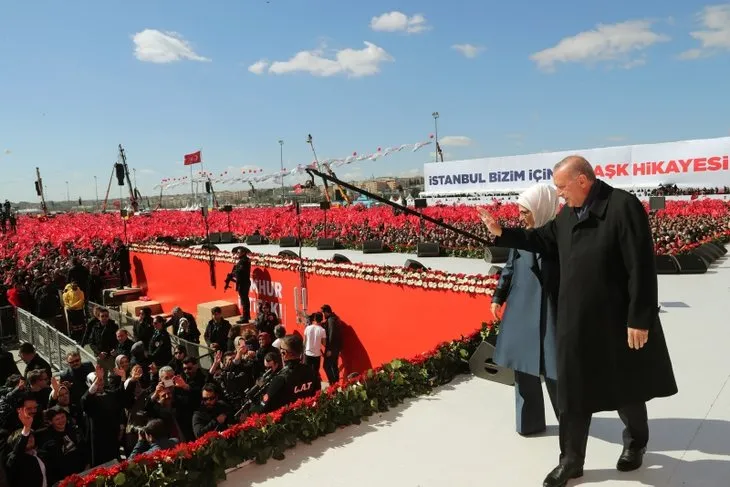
<point>526,340</point>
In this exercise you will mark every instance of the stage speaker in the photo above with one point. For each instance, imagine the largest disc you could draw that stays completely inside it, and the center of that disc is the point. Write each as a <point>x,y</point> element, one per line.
<point>374,247</point>
<point>227,208</point>
<point>705,254</point>
<point>666,264</point>
<point>227,237</point>
<point>288,242</point>
<point>657,203</point>
<point>496,255</point>
<point>208,187</point>
<point>420,203</point>
<point>482,365</point>
<point>215,237</point>
<point>711,249</point>
<point>341,259</point>
<point>38,188</point>
<point>720,246</point>
<point>209,246</point>
<point>414,265</point>
<point>119,169</point>
<point>326,244</point>
<point>290,254</point>
<point>428,249</point>
<point>691,264</point>
<point>494,270</point>
<point>166,240</point>
<point>324,205</point>
<point>255,240</point>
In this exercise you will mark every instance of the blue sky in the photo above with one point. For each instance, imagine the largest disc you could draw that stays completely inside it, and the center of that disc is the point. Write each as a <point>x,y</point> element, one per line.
<point>166,77</point>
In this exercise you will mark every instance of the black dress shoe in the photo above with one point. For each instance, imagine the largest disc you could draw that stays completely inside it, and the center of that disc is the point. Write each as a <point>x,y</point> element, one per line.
<point>561,474</point>
<point>630,459</point>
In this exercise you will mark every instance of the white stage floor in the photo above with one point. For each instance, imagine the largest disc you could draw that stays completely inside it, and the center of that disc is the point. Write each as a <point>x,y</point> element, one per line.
<point>463,435</point>
<point>458,265</point>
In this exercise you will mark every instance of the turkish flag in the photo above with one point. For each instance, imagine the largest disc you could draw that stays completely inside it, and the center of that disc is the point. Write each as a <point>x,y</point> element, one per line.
<point>194,158</point>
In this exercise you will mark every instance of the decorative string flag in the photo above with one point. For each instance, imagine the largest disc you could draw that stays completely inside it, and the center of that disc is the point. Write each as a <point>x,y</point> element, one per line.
<point>251,174</point>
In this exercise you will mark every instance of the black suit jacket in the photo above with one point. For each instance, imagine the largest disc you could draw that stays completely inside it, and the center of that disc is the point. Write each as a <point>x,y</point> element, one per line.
<point>23,469</point>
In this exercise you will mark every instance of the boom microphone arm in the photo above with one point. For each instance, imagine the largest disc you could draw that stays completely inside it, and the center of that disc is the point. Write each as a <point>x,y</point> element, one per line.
<point>403,208</point>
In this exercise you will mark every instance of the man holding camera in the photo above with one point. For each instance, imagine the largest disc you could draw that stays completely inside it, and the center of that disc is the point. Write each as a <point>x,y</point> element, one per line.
<point>153,438</point>
<point>241,275</point>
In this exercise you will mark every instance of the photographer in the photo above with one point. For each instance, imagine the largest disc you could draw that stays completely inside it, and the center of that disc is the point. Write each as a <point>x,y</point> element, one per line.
<point>213,415</point>
<point>295,381</point>
<point>241,275</point>
<point>153,437</point>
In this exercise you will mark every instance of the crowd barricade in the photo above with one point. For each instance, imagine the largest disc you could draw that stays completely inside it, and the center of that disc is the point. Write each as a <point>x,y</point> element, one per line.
<point>49,342</point>
<point>203,353</point>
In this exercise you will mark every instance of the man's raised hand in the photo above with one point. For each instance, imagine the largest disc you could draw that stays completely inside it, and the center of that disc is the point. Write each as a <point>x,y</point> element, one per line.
<point>490,222</point>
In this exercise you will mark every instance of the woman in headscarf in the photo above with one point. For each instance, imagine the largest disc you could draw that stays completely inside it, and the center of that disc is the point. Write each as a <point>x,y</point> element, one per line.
<point>526,340</point>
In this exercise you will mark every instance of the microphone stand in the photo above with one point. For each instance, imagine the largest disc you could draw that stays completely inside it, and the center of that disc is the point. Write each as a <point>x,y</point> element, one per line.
<point>436,221</point>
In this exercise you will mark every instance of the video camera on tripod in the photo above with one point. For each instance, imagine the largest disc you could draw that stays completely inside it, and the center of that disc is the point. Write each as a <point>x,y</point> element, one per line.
<point>254,393</point>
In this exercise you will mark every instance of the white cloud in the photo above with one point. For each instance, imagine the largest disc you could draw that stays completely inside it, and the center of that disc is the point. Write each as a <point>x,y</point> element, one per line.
<point>455,141</point>
<point>469,50</point>
<point>399,22</point>
<point>607,43</point>
<point>155,46</point>
<point>715,36</point>
<point>259,67</point>
<point>350,62</point>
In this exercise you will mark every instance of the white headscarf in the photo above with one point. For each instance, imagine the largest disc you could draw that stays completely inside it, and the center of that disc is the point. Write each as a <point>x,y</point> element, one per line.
<point>542,201</point>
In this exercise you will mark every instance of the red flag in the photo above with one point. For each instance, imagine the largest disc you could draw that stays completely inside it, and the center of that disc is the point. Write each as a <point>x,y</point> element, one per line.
<point>194,158</point>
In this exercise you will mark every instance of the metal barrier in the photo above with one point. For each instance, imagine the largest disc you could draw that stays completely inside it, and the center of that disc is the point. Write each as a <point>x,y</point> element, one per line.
<point>203,353</point>
<point>49,342</point>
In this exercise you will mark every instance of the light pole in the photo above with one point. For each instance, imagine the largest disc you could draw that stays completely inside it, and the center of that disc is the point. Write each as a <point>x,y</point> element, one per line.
<point>96,190</point>
<point>281,160</point>
<point>435,116</point>
<point>68,194</point>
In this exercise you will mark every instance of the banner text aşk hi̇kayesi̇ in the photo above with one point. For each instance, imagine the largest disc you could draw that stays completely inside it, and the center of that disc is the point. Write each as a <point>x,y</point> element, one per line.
<point>648,168</point>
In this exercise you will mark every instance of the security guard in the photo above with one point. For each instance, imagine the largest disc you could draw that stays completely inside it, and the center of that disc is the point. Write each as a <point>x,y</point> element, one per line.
<point>241,275</point>
<point>295,381</point>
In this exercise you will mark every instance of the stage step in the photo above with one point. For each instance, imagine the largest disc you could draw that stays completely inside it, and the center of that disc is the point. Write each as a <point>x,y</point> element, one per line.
<point>115,297</point>
<point>204,310</point>
<point>132,308</point>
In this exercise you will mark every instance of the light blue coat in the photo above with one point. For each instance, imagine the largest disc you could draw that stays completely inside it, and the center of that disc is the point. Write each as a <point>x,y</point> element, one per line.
<point>529,285</point>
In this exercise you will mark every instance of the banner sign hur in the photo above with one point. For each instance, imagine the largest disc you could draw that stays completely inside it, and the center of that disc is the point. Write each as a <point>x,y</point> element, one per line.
<point>690,163</point>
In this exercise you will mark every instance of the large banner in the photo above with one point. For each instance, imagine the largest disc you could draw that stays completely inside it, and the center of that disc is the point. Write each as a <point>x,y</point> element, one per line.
<point>689,163</point>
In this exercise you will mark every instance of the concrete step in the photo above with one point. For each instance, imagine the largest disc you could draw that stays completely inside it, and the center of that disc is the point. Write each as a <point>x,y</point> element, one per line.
<point>132,308</point>
<point>204,314</point>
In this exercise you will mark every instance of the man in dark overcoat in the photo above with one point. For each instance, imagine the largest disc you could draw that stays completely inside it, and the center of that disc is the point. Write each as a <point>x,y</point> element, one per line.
<point>611,354</point>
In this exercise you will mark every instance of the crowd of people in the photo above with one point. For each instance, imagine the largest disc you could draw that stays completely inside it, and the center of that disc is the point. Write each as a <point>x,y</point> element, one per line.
<point>350,226</point>
<point>143,392</point>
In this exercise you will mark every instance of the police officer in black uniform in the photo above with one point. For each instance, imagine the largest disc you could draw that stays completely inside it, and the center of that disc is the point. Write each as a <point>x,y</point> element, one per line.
<point>241,275</point>
<point>295,381</point>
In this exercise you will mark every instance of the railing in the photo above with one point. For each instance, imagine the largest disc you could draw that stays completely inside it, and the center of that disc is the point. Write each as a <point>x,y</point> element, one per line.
<point>49,342</point>
<point>203,353</point>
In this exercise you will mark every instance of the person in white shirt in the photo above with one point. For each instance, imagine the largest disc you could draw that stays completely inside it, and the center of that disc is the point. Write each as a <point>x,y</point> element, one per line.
<point>315,337</point>
<point>279,333</point>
